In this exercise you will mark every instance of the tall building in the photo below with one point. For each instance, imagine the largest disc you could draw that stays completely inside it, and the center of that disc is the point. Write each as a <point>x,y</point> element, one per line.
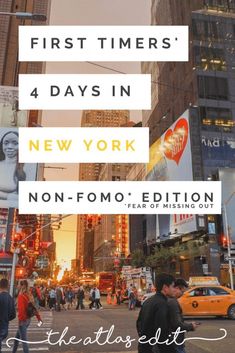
<point>10,67</point>
<point>111,235</point>
<point>100,118</point>
<point>91,171</point>
<point>206,86</point>
<point>173,86</point>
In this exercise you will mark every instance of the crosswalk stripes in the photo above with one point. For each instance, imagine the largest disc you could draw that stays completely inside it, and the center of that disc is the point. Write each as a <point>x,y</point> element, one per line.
<point>34,333</point>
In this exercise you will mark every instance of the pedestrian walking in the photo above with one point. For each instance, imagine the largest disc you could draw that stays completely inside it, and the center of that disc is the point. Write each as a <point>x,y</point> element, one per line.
<point>63,301</point>
<point>36,296</point>
<point>52,299</point>
<point>42,302</point>
<point>132,298</point>
<point>176,315</point>
<point>80,298</point>
<point>97,299</point>
<point>92,298</point>
<point>68,294</point>
<point>7,310</point>
<point>59,298</point>
<point>154,317</point>
<point>118,296</point>
<point>26,311</point>
<point>129,295</point>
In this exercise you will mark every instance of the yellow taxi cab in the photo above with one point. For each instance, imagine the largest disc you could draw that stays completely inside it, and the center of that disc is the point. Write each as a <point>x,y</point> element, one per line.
<point>208,298</point>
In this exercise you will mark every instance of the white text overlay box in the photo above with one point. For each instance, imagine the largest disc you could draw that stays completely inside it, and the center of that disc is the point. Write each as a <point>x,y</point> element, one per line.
<point>103,43</point>
<point>70,92</point>
<point>123,197</point>
<point>84,145</point>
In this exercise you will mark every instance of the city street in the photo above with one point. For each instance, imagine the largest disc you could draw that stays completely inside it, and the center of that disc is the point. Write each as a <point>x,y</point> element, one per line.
<point>97,214</point>
<point>84,323</point>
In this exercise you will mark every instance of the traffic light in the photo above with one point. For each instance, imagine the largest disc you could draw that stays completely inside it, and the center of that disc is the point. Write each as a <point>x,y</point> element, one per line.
<point>16,239</point>
<point>99,219</point>
<point>224,241</point>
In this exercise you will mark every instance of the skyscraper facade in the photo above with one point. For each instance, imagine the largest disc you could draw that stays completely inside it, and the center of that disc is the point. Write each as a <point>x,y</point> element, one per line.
<point>173,84</point>
<point>10,67</point>
<point>111,235</point>
<point>91,171</point>
<point>205,85</point>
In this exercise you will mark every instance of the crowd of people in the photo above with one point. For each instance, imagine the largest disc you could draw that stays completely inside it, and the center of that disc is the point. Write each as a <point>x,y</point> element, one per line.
<point>67,297</point>
<point>159,318</point>
<point>59,298</point>
<point>29,302</point>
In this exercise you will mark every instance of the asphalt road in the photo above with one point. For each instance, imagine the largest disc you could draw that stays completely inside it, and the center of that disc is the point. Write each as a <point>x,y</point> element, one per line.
<point>83,324</point>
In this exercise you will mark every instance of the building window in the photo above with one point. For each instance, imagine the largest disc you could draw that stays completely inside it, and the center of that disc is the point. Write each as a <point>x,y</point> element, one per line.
<point>204,30</point>
<point>213,88</point>
<point>220,5</point>
<point>217,118</point>
<point>116,167</point>
<point>206,58</point>
<point>116,178</point>
<point>215,113</point>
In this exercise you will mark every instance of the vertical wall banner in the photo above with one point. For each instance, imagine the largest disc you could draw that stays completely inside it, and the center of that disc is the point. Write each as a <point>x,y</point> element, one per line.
<point>10,115</point>
<point>37,240</point>
<point>227,176</point>
<point>170,155</point>
<point>11,171</point>
<point>171,159</point>
<point>3,228</point>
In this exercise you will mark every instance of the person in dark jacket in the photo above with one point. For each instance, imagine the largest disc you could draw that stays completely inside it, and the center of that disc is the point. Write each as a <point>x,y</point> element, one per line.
<point>176,315</point>
<point>92,298</point>
<point>154,318</point>
<point>7,310</point>
<point>80,298</point>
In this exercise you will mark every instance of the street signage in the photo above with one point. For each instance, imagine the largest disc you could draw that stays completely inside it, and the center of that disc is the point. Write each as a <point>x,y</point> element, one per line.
<point>42,262</point>
<point>226,258</point>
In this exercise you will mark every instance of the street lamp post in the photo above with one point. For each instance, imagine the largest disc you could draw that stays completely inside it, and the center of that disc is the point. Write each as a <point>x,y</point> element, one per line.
<point>17,250</point>
<point>26,16</point>
<point>226,226</point>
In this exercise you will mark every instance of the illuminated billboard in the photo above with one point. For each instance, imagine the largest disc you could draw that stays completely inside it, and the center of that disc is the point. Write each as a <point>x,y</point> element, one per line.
<point>11,171</point>
<point>227,176</point>
<point>171,159</point>
<point>218,151</point>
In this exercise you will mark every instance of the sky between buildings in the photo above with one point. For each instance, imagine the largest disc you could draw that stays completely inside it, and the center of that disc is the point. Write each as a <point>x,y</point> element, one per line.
<point>87,12</point>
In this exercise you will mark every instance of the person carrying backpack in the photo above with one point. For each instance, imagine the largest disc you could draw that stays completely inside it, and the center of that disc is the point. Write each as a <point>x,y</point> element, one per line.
<point>7,310</point>
<point>26,311</point>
